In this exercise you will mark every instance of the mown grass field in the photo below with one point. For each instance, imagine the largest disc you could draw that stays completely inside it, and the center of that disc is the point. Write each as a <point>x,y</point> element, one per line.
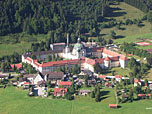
<point>117,71</point>
<point>129,33</point>
<point>8,45</point>
<point>16,101</point>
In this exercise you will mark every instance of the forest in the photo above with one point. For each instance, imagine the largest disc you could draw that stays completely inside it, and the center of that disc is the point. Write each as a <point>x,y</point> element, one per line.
<point>41,16</point>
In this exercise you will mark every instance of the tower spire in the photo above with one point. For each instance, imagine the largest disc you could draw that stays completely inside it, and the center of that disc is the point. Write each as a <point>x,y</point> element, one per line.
<point>67,39</point>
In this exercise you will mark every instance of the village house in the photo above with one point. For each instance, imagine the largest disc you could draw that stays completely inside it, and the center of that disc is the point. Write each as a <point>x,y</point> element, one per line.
<point>92,82</point>
<point>60,92</point>
<point>107,84</point>
<point>118,78</point>
<point>137,81</point>
<point>29,77</point>
<point>38,78</point>
<point>150,87</point>
<point>84,92</point>
<point>41,89</point>
<point>53,77</point>
<point>3,77</point>
<point>113,105</point>
<point>21,81</point>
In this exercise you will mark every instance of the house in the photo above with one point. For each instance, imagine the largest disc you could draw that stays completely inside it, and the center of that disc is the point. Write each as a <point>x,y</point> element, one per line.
<point>137,81</point>
<point>26,85</point>
<point>38,78</point>
<point>141,95</point>
<point>66,84</point>
<point>118,78</point>
<point>53,76</point>
<point>29,77</point>
<point>84,92</point>
<point>102,77</point>
<point>107,84</point>
<point>113,105</point>
<point>92,82</point>
<point>3,77</point>
<point>60,91</point>
<point>14,82</point>
<point>150,87</point>
<point>21,81</point>
<point>41,88</point>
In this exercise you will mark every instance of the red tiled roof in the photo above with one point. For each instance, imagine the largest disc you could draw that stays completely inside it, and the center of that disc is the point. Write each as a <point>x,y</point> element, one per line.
<point>65,83</point>
<point>113,105</point>
<point>60,63</point>
<point>114,58</point>
<point>107,84</point>
<point>107,59</point>
<point>26,83</point>
<point>102,76</point>
<point>122,57</point>
<point>90,61</point>
<point>18,66</point>
<point>106,79</point>
<point>140,95</point>
<point>137,80</point>
<point>60,89</point>
<point>37,64</point>
<point>100,61</point>
<point>149,94</point>
<point>118,76</point>
<point>29,59</point>
<point>98,49</point>
<point>111,53</point>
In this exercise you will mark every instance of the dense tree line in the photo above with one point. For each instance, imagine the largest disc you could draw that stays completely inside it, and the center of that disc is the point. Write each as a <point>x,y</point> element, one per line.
<point>41,16</point>
<point>12,59</point>
<point>137,69</point>
<point>129,48</point>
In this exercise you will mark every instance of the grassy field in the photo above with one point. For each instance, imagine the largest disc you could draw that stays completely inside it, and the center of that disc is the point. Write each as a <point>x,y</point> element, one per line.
<point>128,33</point>
<point>16,101</point>
<point>117,71</point>
<point>8,46</point>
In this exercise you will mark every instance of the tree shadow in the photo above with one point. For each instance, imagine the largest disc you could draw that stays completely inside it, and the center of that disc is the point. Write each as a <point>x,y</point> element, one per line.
<point>141,25</point>
<point>104,93</point>
<point>122,28</point>
<point>112,12</point>
<point>119,106</point>
<point>102,34</point>
<point>102,98</point>
<point>108,20</point>
<point>119,36</point>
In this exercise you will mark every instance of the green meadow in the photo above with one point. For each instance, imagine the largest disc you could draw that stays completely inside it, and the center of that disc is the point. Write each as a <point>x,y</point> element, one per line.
<point>15,101</point>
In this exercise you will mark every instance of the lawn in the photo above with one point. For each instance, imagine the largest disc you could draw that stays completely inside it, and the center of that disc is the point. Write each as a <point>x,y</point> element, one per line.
<point>8,46</point>
<point>128,33</point>
<point>16,101</point>
<point>117,71</point>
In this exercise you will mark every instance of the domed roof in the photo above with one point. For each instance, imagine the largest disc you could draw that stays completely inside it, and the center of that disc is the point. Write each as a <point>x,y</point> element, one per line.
<point>78,46</point>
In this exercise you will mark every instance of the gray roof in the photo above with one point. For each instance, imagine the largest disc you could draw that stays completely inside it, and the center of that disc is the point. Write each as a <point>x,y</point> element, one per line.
<point>28,76</point>
<point>54,75</point>
<point>3,76</point>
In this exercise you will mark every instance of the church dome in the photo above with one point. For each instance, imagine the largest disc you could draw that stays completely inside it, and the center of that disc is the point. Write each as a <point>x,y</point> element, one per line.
<point>78,46</point>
